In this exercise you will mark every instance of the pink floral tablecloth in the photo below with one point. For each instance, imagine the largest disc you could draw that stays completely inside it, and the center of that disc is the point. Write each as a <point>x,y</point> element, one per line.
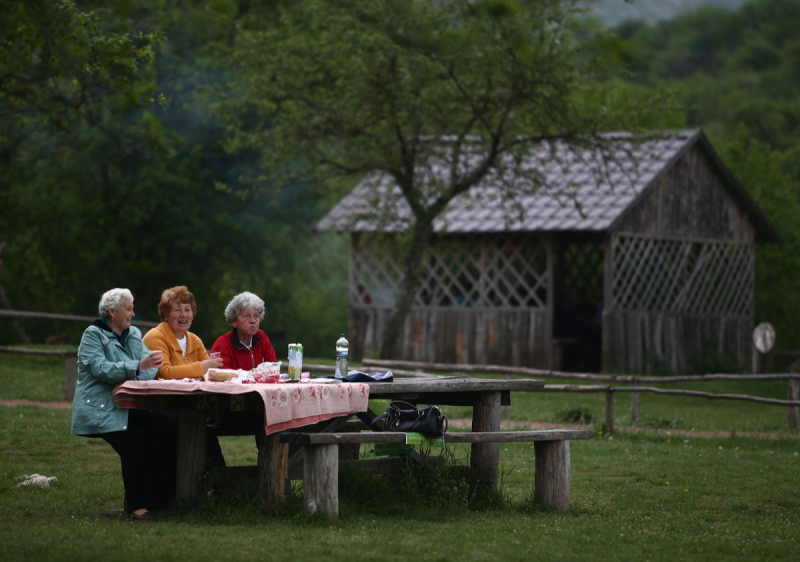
<point>285,405</point>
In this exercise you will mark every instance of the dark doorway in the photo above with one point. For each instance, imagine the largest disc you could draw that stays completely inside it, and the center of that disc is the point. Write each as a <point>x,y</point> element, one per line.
<point>578,305</point>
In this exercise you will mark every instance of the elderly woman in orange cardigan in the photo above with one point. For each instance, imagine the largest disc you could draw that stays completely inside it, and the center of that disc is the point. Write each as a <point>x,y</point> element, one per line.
<point>185,355</point>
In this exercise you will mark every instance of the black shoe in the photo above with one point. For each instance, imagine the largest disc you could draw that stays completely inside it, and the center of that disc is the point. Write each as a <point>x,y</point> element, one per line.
<point>111,512</point>
<point>146,516</point>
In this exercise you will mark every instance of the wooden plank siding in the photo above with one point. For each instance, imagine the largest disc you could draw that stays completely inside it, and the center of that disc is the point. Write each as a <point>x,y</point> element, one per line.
<point>645,342</point>
<point>689,202</point>
<point>458,335</point>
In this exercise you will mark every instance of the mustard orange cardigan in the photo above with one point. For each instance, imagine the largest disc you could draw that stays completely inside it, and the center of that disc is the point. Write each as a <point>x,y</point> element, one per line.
<point>175,365</point>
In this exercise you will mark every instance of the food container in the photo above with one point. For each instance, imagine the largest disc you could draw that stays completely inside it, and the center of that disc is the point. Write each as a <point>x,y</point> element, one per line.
<point>267,379</point>
<point>267,373</point>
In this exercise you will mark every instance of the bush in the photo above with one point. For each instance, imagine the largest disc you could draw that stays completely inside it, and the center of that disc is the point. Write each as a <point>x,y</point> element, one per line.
<point>576,415</point>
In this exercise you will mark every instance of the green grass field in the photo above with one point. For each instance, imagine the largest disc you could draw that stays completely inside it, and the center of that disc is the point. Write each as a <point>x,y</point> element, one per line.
<point>644,496</point>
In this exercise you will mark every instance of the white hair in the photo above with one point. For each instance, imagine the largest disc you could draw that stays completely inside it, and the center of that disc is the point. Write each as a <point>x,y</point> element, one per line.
<point>112,300</point>
<point>241,302</point>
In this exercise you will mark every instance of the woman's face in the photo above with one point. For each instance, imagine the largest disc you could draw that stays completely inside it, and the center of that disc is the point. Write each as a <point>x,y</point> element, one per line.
<point>121,318</point>
<point>246,324</point>
<point>180,318</point>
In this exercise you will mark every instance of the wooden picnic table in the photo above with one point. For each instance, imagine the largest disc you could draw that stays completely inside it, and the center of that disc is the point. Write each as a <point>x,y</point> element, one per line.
<point>263,410</point>
<point>243,413</point>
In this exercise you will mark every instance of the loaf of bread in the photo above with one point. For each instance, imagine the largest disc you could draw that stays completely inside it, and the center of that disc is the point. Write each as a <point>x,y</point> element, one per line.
<point>222,375</point>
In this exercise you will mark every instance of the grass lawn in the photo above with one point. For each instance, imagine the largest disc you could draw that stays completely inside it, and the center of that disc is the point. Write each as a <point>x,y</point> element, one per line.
<point>651,496</point>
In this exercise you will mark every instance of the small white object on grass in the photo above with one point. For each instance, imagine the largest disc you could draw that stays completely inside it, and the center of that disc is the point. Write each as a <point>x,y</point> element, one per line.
<point>36,480</point>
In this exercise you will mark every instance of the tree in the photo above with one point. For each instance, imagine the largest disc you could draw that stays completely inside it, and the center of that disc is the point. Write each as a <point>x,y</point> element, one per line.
<point>60,74</point>
<point>59,66</point>
<point>101,187</point>
<point>345,87</point>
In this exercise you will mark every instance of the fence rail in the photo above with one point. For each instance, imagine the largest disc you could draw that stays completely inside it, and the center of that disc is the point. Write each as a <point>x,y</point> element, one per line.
<point>792,403</point>
<point>70,356</point>
<point>55,316</point>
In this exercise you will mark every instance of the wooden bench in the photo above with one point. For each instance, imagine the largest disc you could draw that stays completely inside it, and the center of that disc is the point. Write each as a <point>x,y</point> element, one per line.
<point>321,466</point>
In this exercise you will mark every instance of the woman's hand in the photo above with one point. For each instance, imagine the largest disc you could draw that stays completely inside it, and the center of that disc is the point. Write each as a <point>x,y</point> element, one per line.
<point>211,364</point>
<point>155,359</point>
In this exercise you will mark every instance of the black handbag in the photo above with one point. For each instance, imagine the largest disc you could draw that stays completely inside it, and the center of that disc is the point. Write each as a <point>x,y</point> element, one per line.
<point>405,417</point>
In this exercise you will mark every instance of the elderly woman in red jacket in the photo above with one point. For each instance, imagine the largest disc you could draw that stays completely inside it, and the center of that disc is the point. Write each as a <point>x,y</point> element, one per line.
<point>246,346</point>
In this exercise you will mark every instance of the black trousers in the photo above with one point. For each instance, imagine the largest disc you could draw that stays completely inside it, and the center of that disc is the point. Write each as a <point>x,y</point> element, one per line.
<point>147,452</point>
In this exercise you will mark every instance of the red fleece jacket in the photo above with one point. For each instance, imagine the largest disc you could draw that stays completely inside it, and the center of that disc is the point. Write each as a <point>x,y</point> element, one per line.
<point>236,356</point>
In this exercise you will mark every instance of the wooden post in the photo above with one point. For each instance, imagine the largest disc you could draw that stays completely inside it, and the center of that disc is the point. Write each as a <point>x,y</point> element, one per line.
<point>552,478</point>
<point>486,417</point>
<point>321,480</point>
<point>794,394</point>
<point>606,334</point>
<point>69,377</point>
<point>634,407</point>
<point>553,352</point>
<point>609,410</point>
<point>6,304</point>
<point>191,464</point>
<point>273,467</point>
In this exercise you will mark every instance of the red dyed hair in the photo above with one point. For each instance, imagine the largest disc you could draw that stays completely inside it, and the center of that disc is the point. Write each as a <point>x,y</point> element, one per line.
<point>173,296</point>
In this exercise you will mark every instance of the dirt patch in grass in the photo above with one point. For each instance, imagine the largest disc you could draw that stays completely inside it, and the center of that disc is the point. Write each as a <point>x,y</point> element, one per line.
<point>58,405</point>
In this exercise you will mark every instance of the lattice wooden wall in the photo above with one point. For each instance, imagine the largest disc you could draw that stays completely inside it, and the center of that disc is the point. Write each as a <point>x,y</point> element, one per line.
<point>507,271</point>
<point>690,277</point>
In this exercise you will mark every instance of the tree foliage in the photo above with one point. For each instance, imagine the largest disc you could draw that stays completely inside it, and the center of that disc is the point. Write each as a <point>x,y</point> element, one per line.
<point>102,187</point>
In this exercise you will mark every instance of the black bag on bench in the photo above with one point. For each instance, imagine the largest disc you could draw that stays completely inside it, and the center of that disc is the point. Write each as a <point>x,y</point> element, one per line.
<point>404,417</point>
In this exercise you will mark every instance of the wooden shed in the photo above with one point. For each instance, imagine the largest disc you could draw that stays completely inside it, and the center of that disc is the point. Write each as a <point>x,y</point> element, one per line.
<point>637,263</point>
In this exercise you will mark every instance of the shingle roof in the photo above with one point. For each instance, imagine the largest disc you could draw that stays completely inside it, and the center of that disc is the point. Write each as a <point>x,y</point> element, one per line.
<point>582,191</point>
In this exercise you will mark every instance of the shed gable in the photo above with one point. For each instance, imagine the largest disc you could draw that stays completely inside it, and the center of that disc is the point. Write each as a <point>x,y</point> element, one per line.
<point>690,200</point>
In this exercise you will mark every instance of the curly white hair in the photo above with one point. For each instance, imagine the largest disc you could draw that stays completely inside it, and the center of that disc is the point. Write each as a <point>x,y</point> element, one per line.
<point>241,302</point>
<point>112,300</point>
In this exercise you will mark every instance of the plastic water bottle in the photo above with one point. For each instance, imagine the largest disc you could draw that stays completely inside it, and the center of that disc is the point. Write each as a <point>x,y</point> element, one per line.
<point>342,347</point>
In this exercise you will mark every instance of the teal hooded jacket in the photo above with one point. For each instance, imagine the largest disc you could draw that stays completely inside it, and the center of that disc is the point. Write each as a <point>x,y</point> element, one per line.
<point>104,361</point>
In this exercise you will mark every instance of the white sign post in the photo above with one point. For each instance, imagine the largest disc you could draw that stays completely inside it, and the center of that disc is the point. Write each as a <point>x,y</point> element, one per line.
<point>764,339</point>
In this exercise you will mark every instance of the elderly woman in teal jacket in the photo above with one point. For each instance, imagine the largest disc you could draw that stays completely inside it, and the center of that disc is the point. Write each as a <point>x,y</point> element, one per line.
<point>111,352</point>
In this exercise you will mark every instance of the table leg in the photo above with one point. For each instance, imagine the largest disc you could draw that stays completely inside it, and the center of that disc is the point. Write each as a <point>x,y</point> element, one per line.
<point>273,467</point>
<point>191,462</point>
<point>486,417</point>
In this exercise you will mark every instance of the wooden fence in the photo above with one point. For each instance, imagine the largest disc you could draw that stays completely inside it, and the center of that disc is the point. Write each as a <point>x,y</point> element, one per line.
<point>612,384</point>
<point>70,356</point>
<point>54,316</point>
